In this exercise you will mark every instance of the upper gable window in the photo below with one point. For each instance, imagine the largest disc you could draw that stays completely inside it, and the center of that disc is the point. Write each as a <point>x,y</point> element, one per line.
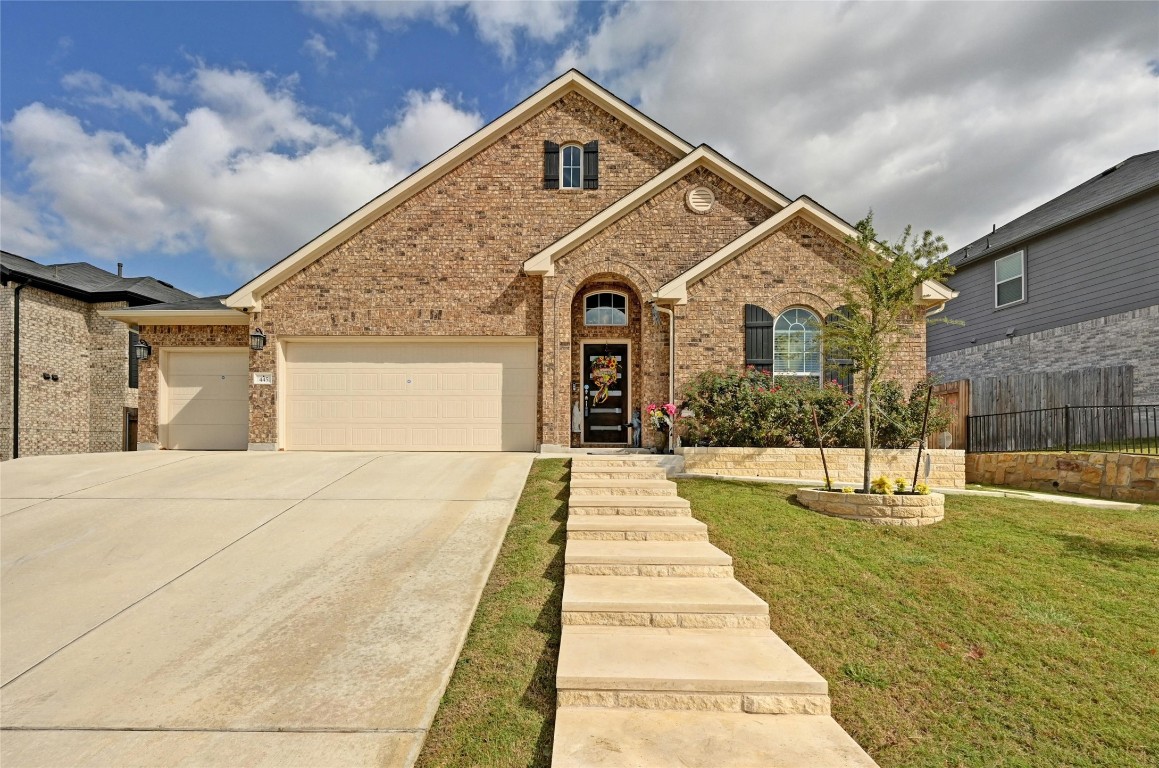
<point>572,167</point>
<point>605,308</point>
<point>1010,280</point>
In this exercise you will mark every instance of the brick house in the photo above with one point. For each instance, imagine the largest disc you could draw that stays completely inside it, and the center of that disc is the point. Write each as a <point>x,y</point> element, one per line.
<point>76,388</point>
<point>566,265</point>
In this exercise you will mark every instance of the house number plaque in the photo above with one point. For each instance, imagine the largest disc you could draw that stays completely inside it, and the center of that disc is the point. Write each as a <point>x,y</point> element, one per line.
<point>263,378</point>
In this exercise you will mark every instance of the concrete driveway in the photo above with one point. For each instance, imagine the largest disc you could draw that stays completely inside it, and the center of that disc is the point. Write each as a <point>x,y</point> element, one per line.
<point>239,609</point>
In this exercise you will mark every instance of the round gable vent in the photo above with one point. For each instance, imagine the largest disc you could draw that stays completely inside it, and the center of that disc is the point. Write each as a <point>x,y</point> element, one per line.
<point>700,199</point>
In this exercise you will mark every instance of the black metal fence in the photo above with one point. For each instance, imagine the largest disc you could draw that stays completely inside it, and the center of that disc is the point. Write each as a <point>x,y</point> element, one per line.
<point>1105,428</point>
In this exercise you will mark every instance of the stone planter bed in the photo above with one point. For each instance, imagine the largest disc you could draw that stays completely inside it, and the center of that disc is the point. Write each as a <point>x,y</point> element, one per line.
<point>879,509</point>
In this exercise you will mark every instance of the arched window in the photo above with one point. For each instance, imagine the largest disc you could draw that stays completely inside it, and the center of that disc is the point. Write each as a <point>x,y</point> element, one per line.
<point>571,167</point>
<point>605,308</point>
<point>797,344</point>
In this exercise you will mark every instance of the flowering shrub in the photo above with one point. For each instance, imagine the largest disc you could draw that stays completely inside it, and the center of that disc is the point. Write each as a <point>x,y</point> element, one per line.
<point>882,485</point>
<point>750,408</point>
<point>661,416</point>
<point>847,489</point>
<point>900,484</point>
<point>922,489</point>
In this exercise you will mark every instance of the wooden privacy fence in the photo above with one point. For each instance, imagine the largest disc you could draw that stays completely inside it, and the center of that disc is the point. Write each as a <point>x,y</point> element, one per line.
<point>1038,391</point>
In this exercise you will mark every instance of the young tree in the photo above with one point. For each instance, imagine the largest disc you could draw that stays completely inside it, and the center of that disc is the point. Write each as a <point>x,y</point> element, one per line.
<point>881,298</point>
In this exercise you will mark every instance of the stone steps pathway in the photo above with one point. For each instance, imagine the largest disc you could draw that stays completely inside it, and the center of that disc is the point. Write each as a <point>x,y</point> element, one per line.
<point>666,659</point>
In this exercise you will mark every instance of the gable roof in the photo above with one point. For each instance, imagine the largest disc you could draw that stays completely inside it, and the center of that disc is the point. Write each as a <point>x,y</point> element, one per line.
<point>704,156</point>
<point>1131,177</point>
<point>83,281</point>
<point>931,293</point>
<point>249,295</point>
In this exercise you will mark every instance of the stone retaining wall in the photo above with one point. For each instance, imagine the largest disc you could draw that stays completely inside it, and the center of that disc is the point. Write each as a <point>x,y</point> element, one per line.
<point>947,467</point>
<point>1119,476</point>
<point>876,508</point>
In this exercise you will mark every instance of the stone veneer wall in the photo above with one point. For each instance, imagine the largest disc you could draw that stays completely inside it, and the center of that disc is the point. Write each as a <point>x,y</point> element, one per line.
<point>1127,338</point>
<point>947,467</point>
<point>160,336</point>
<point>83,411</point>
<point>1119,476</point>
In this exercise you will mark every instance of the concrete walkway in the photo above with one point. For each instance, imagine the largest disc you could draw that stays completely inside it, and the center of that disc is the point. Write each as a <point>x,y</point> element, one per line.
<point>666,659</point>
<point>229,609</point>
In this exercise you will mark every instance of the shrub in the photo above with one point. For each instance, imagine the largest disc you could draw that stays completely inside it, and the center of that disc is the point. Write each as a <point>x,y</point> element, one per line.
<point>847,489</point>
<point>882,485</point>
<point>752,409</point>
<point>922,489</point>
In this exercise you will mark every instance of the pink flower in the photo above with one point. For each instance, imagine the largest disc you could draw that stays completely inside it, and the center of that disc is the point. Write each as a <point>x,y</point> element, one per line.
<point>670,409</point>
<point>651,407</point>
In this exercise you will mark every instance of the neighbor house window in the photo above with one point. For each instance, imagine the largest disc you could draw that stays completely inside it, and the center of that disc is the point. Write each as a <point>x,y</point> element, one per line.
<point>605,308</point>
<point>758,337</point>
<point>571,167</point>
<point>1010,279</point>
<point>797,344</point>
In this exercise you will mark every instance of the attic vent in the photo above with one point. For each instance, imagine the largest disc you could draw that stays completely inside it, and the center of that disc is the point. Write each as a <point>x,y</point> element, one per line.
<point>700,199</point>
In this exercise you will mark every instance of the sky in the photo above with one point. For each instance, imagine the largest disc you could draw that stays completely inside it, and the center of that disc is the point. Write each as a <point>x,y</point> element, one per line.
<point>202,142</point>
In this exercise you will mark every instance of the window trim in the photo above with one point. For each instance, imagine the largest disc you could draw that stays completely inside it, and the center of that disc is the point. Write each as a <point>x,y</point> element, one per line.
<point>627,306</point>
<point>820,374</point>
<point>563,148</point>
<point>1021,276</point>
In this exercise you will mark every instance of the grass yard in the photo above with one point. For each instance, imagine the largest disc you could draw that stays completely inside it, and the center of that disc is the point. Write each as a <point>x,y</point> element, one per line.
<point>1014,633</point>
<point>499,708</point>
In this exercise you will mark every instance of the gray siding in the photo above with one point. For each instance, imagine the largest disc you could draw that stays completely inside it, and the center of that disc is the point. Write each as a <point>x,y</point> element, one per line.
<point>1104,264</point>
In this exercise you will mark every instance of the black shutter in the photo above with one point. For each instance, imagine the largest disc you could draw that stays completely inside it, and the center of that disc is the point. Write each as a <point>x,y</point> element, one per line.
<point>592,165</point>
<point>133,337</point>
<point>758,337</point>
<point>550,165</point>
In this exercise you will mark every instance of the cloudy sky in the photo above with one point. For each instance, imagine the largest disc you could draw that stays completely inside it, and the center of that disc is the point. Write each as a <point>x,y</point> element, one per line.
<point>201,142</point>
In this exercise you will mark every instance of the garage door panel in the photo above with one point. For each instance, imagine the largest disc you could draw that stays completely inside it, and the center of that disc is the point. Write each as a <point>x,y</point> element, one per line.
<point>206,399</point>
<point>412,395</point>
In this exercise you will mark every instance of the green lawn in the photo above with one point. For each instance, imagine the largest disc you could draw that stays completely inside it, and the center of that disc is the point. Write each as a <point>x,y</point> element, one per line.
<point>1013,633</point>
<point>499,709</point>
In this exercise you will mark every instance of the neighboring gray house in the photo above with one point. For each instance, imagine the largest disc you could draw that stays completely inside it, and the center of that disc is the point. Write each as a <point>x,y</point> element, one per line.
<point>1072,284</point>
<point>68,383</point>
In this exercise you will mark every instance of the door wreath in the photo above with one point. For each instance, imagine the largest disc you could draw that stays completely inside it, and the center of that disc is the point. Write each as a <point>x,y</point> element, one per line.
<point>604,373</point>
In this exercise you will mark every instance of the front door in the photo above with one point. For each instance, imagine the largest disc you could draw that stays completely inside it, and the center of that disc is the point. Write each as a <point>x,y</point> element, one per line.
<point>605,393</point>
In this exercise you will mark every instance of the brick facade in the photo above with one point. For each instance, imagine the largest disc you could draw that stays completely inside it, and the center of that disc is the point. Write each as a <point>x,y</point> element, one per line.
<point>148,371</point>
<point>83,410</point>
<point>448,260</point>
<point>1126,338</point>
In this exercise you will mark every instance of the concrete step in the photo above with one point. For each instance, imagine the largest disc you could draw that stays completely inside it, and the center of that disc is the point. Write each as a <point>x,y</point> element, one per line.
<point>728,670</point>
<point>587,737</point>
<point>646,558</point>
<point>650,506</point>
<point>640,460</point>
<point>635,528</point>
<point>628,487</point>
<point>650,601</point>
<point>642,472</point>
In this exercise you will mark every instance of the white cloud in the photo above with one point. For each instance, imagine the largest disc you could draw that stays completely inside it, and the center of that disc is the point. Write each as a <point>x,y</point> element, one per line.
<point>94,89</point>
<point>315,47</point>
<point>427,126</point>
<point>497,22</point>
<point>951,116</point>
<point>246,174</point>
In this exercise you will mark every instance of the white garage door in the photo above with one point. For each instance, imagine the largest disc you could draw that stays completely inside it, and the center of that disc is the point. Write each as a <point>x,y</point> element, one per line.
<point>207,400</point>
<point>421,395</point>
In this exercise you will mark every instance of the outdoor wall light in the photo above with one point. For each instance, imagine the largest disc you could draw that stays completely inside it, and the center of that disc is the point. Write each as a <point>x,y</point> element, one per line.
<point>142,350</point>
<point>257,340</point>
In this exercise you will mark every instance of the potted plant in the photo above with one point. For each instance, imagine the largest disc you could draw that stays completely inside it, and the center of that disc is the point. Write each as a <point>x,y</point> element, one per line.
<point>662,418</point>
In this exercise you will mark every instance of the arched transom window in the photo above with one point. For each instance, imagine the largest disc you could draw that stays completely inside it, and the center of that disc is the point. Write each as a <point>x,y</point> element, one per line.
<point>605,308</point>
<point>797,344</point>
<point>571,167</point>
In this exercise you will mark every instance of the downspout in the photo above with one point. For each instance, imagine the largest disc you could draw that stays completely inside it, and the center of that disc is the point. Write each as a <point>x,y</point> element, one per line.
<point>671,359</point>
<point>16,370</point>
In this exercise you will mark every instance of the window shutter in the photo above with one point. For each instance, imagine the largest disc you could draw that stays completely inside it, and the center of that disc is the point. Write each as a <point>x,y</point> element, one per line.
<point>550,165</point>
<point>758,337</point>
<point>133,364</point>
<point>592,165</point>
